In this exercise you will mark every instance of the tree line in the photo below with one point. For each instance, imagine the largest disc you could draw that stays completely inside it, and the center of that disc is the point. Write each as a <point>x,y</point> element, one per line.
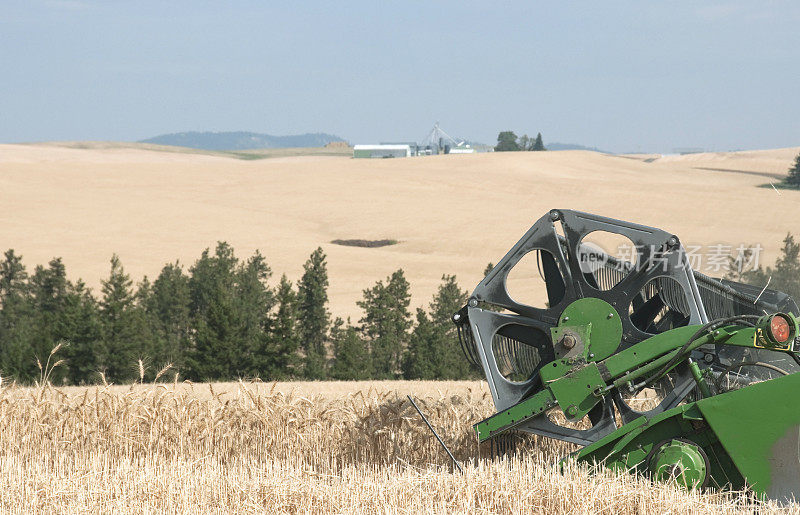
<point>507,141</point>
<point>221,319</point>
<point>218,320</point>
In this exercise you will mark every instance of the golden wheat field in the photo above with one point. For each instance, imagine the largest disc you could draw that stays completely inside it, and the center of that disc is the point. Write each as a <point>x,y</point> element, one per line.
<point>294,448</point>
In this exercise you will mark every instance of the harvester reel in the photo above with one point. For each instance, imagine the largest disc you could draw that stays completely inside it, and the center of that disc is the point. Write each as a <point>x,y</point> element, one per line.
<point>612,328</point>
<point>564,258</point>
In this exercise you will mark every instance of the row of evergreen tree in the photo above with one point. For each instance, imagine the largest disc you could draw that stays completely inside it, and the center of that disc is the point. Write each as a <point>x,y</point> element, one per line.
<point>221,320</point>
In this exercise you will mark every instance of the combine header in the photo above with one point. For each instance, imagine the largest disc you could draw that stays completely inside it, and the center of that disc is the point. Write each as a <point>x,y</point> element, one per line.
<point>716,359</point>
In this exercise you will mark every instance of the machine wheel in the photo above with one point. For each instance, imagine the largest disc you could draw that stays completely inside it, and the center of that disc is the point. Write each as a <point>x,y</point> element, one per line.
<point>681,460</point>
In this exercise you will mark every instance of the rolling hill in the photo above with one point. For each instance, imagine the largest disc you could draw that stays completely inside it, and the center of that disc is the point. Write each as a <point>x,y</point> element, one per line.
<point>241,140</point>
<point>449,213</point>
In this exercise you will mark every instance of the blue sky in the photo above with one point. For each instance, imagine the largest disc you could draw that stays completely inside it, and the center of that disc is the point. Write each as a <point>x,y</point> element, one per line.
<point>622,76</point>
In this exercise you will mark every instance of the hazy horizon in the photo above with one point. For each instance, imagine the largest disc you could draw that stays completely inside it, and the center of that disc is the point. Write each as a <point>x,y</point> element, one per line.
<point>622,77</point>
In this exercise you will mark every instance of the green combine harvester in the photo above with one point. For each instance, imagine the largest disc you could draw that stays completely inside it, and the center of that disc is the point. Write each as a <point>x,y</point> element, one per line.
<point>716,360</point>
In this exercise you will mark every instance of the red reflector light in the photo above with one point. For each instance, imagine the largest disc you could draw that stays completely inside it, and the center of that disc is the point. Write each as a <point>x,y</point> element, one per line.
<point>779,329</point>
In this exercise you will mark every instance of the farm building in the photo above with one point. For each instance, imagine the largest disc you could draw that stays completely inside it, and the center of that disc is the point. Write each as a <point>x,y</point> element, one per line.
<point>381,151</point>
<point>462,150</point>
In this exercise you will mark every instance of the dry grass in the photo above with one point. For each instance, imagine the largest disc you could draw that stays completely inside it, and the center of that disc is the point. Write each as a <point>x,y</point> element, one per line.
<point>255,448</point>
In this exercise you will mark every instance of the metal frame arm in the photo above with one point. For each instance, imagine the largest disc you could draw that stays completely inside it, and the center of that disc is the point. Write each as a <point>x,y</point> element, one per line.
<point>586,384</point>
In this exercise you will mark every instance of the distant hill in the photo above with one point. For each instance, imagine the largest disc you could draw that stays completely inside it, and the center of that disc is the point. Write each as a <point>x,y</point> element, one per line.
<point>241,140</point>
<point>571,146</point>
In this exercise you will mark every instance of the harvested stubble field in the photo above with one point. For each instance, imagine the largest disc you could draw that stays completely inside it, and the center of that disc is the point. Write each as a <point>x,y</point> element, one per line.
<point>450,214</point>
<point>293,448</point>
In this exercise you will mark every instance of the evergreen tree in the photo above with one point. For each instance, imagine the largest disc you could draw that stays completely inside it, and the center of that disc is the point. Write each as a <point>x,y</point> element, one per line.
<point>168,308</point>
<point>40,311</point>
<point>488,269</point>
<point>285,340</point>
<point>254,300</point>
<point>49,288</point>
<point>122,332</point>
<point>13,279</point>
<point>538,145</point>
<point>212,286</point>
<point>793,179</point>
<point>434,352</point>
<point>784,276</point>
<point>149,346</point>
<point>450,360</point>
<point>229,304</point>
<point>386,323</point>
<point>351,356</point>
<point>420,361</point>
<point>506,142</point>
<point>16,325</point>
<point>81,330</point>
<point>313,315</point>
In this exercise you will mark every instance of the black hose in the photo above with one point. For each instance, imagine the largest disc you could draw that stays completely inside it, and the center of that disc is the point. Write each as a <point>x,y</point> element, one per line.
<point>727,369</point>
<point>710,326</point>
<point>539,264</point>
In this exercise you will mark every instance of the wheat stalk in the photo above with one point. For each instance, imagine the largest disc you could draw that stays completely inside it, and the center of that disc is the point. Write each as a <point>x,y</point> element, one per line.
<point>237,447</point>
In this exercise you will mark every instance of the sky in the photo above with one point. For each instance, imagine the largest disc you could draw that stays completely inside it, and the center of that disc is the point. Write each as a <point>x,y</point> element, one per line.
<point>619,76</point>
